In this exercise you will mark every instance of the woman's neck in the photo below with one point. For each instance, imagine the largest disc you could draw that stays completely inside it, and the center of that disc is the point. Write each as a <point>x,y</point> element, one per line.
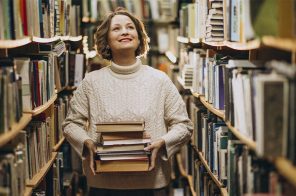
<point>124,59</point>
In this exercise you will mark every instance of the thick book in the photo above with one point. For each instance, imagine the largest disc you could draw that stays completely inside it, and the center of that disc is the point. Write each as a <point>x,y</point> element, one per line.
<point>121,135</point>
<point>127,126</point>
<point>122,148</point>
<point>122,166</point>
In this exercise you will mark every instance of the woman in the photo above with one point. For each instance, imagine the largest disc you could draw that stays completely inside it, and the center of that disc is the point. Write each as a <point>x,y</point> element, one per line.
<point>124,91</point>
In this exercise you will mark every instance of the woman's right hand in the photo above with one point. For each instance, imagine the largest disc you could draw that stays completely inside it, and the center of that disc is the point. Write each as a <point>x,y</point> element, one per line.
<point>90,149</point>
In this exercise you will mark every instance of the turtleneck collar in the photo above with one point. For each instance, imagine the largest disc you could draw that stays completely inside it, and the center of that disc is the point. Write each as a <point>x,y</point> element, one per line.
<point>127,69</point>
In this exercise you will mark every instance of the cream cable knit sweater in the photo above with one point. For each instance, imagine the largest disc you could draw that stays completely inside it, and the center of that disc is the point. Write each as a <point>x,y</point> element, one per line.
<point>121,93</point>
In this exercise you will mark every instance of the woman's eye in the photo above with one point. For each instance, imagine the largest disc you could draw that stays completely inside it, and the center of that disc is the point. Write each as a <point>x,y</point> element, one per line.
<point>130,27</point>
<point>116,29</point>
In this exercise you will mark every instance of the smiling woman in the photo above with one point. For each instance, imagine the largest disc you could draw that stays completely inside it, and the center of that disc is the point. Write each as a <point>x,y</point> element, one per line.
<point>127,90</point>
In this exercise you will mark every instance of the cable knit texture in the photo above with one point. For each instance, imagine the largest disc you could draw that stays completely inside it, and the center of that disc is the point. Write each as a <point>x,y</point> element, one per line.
<point>123,93</point>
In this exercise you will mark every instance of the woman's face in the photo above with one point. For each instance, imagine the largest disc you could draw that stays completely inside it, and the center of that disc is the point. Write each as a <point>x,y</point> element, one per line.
<point>122,34</point>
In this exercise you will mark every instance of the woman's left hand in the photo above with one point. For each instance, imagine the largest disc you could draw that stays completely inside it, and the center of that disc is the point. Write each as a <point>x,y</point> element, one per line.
<point>154,148</point>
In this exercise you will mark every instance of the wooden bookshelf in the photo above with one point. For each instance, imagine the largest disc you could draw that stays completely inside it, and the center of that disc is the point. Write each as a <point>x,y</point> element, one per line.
<point>71,38</point>
<point>224,192</point>
<point>214,44</point>
<point>204,162</point>
<point>194,40</point>
<point>286,169</point>
<point>250,45</point>
<point>190,182</point>
<point>183,40</point>
<point>6,44</point>
<point>247,141</point>
<point>45,40</point>
<point>280,43</point>
<point>184,174</point>
<point>43,107</point>
<point>171,57</point>
<point>15,129</point>
<point>58,145</point>
<point>219,113</point>
<point>28,191</point>
<point>43,171</point>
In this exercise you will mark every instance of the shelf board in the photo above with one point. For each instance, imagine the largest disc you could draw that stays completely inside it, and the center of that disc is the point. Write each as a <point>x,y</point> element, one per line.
<point>183,40</point>
<point>194,40</point>
<point>15,129</point>
<point>28,191</point>
<point>280,43</point>
<point>43,107</point>
<point>45,40</point>
<point>204,162</point>
<point>215,44</point>
<point>184,174</point>
<point>217,112</point>
<point>250,45</point>
<point>6,44</point>
<point>223,191</point>
<point>249,142</point>
<point>43,171</point>
<point>190,182</point>
<point>58,145</point>
<point>286,169</point>
<point>71,38</point>
<point>171,57</point>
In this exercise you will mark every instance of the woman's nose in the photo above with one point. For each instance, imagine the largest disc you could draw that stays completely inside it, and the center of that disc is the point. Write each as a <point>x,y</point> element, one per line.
<point>124,30</point>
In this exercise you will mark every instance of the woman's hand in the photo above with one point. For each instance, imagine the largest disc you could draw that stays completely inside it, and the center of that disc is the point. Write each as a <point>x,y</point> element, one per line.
<point>154,148</point>
<point>90,149</point>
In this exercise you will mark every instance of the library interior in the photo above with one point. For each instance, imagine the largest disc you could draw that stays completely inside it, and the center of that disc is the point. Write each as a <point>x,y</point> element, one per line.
<point>219,54</point>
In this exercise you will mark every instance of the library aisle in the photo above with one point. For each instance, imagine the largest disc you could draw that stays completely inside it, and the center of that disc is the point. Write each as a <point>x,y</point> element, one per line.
<point>232,61</point>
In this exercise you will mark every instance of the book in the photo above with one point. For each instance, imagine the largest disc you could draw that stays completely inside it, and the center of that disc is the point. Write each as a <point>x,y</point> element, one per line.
<point>122,166</point>
<point>121,148</point>
<point>121,135</point>
<point>127,126</point>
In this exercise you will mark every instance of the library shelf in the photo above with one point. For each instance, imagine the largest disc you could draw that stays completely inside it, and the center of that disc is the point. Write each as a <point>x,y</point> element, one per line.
<point>183,40</point>
<point>43,107</point>
<point>171,57</point>
<point>58,145</point>
<point>7,44</point>
<point>28,191</point>
<point>219,113</point>
<point>71,38</point>
<point>15,129</point>
<point>184,174</point>
<point>43,171</point>
<point>194,40</point>
<point>280,43</point>
<point>215,44</point>
<point>249,142</point>
<point>45,40</point>
<point>204,162</point>
<point>250,45</point>
<point>286,169</point>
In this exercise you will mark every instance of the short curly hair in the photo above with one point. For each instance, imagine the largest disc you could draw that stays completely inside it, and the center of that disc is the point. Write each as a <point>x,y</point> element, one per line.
<point>101,35</point>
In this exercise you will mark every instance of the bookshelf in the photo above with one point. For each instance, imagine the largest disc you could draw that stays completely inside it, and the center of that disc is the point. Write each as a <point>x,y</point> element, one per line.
<point>28,191</point>
<point>34,182</point>
<point>15,129</point>
<point>42,108</point>
<point>286,169</point>
<point>207,54</point>
<point>58,145</point>
<point>7,44</point>
<point>223,190</point>
<point>184,174</point>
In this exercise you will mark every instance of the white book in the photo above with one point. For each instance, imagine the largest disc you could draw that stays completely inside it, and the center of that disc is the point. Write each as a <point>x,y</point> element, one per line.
<point>79,63</point>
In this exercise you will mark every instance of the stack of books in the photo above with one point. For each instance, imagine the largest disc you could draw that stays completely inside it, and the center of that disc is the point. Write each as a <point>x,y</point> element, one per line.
<point>215,22</point>
<point>121,147</point>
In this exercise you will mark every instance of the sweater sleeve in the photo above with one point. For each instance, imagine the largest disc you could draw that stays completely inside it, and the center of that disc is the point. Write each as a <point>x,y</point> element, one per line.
<point>180,126</point>
<point>75,122</point>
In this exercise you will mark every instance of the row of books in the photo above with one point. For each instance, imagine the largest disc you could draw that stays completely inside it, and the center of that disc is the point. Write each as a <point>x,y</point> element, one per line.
<point>236,167</point>
<point>121,147</point>
<point>236,20</point>
<point>152,9</point>
<point>42,18</point>
<point>10,95</point>
<point>70,69</point>
<point>228,84</point>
